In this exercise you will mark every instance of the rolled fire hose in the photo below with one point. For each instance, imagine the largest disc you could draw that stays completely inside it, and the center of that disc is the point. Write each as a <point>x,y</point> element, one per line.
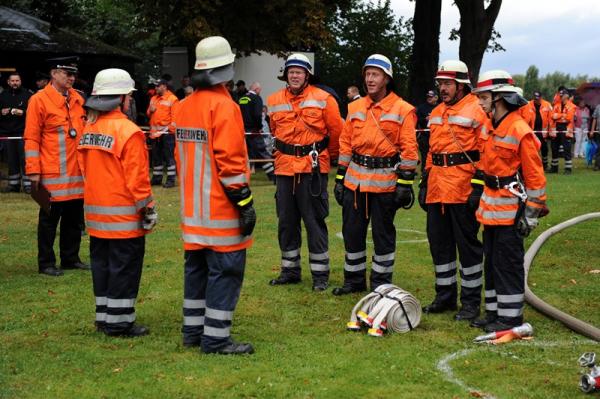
<point>387,308</point>
<point>574,324</point>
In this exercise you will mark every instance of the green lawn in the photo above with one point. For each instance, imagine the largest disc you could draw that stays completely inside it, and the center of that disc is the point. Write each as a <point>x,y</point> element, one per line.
<point>49,348</point>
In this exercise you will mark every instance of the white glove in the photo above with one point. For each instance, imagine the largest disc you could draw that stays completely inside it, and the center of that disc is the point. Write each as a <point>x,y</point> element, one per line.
<point>150,218</point>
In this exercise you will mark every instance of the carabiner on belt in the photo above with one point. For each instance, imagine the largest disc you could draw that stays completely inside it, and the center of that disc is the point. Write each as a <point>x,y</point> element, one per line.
<point>314,156</point>
<point>517,189</point>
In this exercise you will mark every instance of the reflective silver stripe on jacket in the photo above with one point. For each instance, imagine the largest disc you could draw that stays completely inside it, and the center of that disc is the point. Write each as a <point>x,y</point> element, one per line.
<point>213,240</point>
<point>507,139</point>
<point>237,179</point>
<point>391,117</point>
<point>62,150</point>
<point>313,103</point>
<point>280,108</point>
<point>110,210</point>
<point>142,203</point>
<point>357,115</point>
<point>62,180</point>
<point>462,121</point>
<point>120,226</point>
<point>435,120</point>
<point>536,193</point>
<point>69,191</point>
<point>499,214</point>
<point>378,171</point>
<point>499,200</point>
<point>32,153</point>
<point>409,163</point>
<point>345,158</point>
<point>371,183</point>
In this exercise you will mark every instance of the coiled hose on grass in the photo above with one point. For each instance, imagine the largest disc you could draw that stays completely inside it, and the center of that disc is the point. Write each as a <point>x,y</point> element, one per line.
<point>574,324</point>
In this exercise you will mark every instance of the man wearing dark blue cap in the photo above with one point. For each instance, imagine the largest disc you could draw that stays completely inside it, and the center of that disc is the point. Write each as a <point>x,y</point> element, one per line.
<point>54,122</point>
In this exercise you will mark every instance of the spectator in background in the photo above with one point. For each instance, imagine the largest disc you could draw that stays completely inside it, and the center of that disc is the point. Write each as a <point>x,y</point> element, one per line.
<point>161,115</point>
<point>41,80</point>
<point>188,90</point>
<point>541,124</point>
<point>582,123</point>
<point>352,93</point>
<point>423,112</point>
<point>251,106</point>
<point>563,114</point>
<point>185,82</point>
<point>13,104</point>
<point>240,89</point>
<point>595,135</point>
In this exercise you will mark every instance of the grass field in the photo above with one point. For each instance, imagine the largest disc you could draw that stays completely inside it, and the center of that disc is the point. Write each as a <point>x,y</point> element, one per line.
<point>49,348</point>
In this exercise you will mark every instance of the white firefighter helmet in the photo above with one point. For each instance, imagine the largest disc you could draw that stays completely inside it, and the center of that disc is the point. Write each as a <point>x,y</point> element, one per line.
<point>496,81</point>
<point>113,81</point>
<point>213,52</point>
<point>379,61</point>
<point>298,60</point>
<point>455,70</point>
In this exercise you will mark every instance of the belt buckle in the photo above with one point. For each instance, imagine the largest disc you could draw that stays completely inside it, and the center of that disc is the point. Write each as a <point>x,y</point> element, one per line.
<point>444,159</point>
<point>297,150</point>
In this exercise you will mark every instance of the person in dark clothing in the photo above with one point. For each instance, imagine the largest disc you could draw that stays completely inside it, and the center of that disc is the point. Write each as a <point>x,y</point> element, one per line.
<point>240,90</point>
<point>251,106</point>
<point>185,82</point>
<point>13,105</point>
<point>423,112</point>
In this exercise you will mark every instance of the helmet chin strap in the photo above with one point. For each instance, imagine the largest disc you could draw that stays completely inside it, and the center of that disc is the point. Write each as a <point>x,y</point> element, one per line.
<point>304,85</point>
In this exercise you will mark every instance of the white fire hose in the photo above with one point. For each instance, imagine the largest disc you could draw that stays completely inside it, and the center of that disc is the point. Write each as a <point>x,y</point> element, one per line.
<point>388,308</point>
<point>574,324</point>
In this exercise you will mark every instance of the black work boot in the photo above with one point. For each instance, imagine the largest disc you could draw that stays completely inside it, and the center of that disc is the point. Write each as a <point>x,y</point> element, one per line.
<point>320,285</point>
<point>467,312</point>
<point>156,181</point>
<point>490,317</point>
<point>553,169</point>
<point>499,326</point>
<point>234,348</point>
<point>568,171</point>
<point>439,307</point>
<point>348,289</point>
<point>136,330</point>
<point>285,279</point>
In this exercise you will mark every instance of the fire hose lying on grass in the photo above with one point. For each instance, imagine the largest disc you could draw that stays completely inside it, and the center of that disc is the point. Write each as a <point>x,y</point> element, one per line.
<point>550,311</point>
<point>388,308</point>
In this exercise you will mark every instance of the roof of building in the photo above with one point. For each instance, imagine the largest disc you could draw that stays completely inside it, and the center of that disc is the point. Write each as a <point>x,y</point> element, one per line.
<point>26,33</point>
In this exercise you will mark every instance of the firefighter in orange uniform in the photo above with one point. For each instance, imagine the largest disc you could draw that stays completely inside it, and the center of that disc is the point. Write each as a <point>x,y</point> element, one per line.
<point>525,111</point>
<point>161,111</point>
<point>53,124</point>
<point>563,114</point>
<point>304,120</point>
<point>450,190</point>
<point>513,199</point>
<point>378,157</point>
<point>118,203</point>
<point>542,110</point>
<point>217,213</point>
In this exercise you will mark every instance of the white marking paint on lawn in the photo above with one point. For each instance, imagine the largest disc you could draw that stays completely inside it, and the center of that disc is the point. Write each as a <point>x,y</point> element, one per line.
<point>444,364</point>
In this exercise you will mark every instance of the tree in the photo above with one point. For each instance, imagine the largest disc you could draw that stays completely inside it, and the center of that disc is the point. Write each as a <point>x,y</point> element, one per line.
<point>531,81</point>
<point>475,32</point>
<point>365,29</point>
<point>426,48</point>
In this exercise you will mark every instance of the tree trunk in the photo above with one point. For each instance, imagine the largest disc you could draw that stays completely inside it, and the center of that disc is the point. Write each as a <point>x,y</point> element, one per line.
<point>426,48</point>
<point>476,25</point>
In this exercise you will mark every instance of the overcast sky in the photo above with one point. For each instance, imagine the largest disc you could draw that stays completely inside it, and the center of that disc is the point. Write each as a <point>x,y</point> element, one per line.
<point>554,35</point>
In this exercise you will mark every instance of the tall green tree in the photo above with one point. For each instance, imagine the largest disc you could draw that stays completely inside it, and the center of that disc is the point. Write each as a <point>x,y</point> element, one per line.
<point>365,29</point>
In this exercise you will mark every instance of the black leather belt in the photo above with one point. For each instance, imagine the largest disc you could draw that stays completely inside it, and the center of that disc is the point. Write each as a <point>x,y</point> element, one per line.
<point>496,182</point>
<point>375,162</point>
<point>454,158</point>
<point>298,150</point>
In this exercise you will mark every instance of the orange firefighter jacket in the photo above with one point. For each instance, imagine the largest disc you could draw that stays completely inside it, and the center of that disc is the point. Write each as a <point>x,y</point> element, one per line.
<point>545,112</point>
<point>382,129</point>
<point>564,114</point>
<point>454,128</point>
<point>160,120</point>
<point>303,119</point>
<point>211,157</point>
<point>50,151</point>
<point>510,148</point>
<point>528,115</point>
<point>113,158</point>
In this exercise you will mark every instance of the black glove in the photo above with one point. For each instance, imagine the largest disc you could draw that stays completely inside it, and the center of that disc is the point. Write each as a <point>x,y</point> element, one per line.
<point>528,221</point>
<point>338,189</point>
<point>404,197</point>
<point>477,184</point>
<point>149,218</point>
<point>242,198</point>
<point>423,191</point>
